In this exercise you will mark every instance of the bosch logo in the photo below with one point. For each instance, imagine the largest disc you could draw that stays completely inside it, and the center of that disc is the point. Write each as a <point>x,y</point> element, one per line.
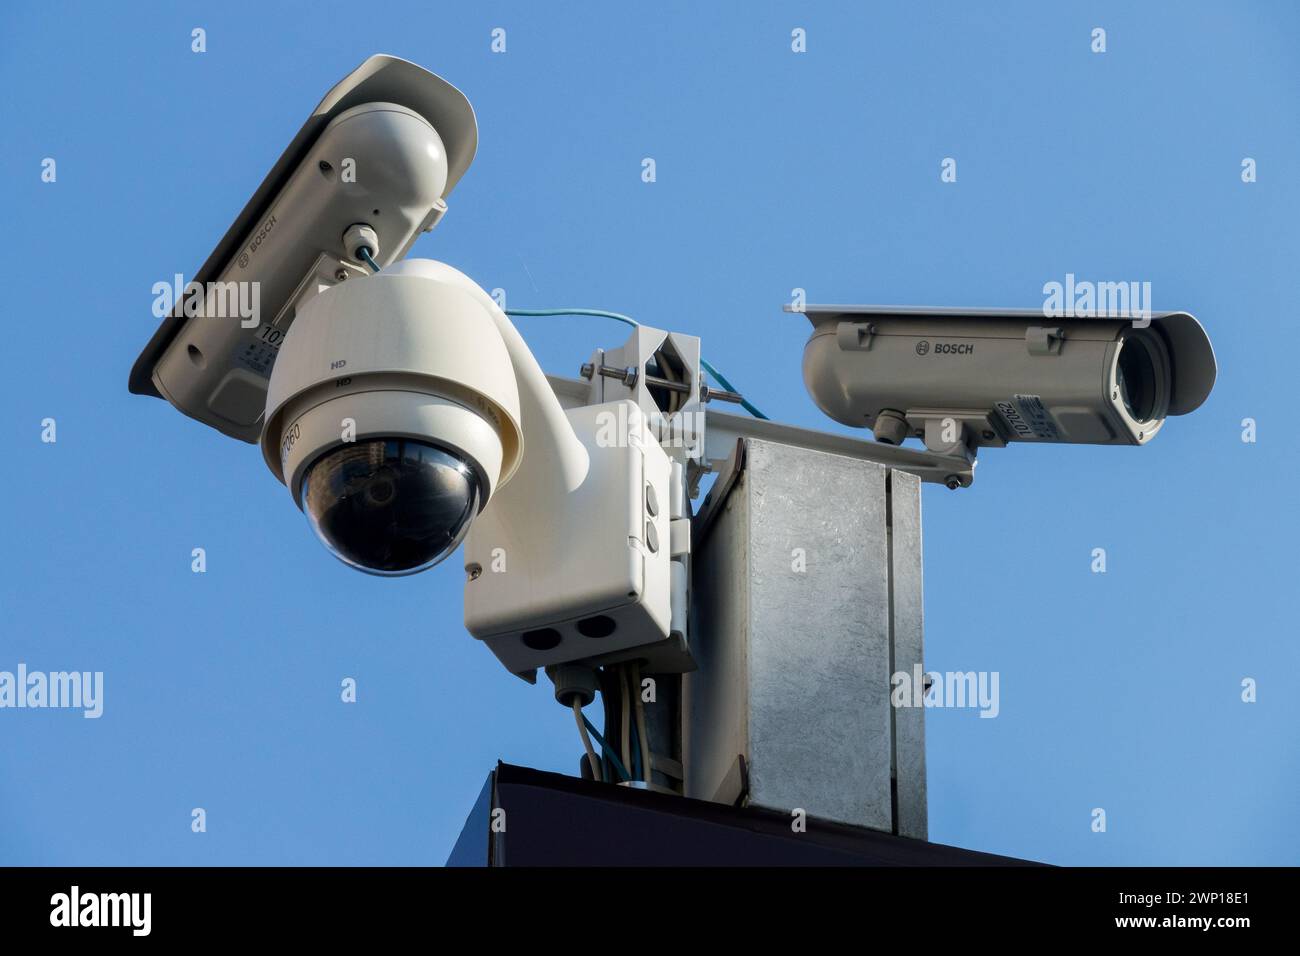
<point>256,242</point>
<point>945,348</point>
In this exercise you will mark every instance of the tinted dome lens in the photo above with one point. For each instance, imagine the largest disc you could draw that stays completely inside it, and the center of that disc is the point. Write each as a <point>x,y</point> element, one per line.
<point>390,506</point>
<point>1136,379</point>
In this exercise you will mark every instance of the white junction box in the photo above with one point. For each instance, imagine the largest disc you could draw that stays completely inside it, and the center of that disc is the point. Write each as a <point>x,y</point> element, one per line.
<point>590,580</point>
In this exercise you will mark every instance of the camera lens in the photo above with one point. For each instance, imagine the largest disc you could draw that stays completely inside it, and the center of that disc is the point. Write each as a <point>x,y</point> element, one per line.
<point>390,506</point>
<point>1135,377</point>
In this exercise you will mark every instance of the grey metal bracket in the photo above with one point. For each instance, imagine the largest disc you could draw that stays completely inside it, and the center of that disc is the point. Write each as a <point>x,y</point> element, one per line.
<point>723,429</point>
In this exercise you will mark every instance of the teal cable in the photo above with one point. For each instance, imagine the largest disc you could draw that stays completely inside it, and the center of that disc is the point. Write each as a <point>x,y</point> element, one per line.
<point>364,254</point>
<point>618,764</point>
<point>601,313</point>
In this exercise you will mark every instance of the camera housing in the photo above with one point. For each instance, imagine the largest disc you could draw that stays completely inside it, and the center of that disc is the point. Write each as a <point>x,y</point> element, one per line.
<point>960,379</point>
<point>398,416</point>
<point>401,359</point>
<point>384,148</point>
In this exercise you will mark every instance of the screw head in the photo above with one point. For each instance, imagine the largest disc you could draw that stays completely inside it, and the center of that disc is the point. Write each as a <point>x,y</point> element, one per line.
<point>341,274</point>
<point>953,482</point>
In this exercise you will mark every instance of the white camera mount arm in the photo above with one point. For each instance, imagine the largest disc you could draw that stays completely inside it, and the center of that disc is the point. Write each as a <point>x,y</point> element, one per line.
<point>554,462</point>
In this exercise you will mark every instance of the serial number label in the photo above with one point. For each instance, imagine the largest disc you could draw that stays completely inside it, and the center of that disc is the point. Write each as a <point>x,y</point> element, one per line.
<point>259,351</point>
<point>290,439</point>
<point>1029,419</point>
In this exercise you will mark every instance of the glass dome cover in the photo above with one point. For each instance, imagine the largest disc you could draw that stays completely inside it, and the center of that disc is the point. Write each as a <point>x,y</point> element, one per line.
<point>390,506</point>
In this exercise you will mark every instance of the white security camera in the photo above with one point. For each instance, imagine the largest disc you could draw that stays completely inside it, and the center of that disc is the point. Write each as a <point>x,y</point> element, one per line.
<point>405,407</point>
<point>393,415</point>
<point>403,410</point>
<point>961,379</point>
<point>372,166</point>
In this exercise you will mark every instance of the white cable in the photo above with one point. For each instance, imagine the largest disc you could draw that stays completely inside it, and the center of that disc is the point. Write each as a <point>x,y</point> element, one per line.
<point>627,722</point>
<point>586,741</point>
<point>642,735</point>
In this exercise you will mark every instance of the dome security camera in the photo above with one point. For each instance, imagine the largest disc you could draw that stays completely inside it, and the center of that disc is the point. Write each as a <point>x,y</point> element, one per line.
<point>961,379</point>
<point>405,407</point>
<point>393,415</point>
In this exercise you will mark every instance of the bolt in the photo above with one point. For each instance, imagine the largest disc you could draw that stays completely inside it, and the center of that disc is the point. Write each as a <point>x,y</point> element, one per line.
<point>474,571</point>
<point>625,375</point>
<point>953,482</point>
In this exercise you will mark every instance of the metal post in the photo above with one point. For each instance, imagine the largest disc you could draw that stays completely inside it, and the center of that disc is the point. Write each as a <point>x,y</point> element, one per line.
<point>807,599</point>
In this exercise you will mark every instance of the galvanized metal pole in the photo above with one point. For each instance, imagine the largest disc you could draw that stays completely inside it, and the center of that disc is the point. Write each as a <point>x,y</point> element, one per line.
<point>807,594</point>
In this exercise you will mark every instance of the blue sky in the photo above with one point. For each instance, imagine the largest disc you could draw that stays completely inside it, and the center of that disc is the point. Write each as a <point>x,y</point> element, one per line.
<point>774,171</point>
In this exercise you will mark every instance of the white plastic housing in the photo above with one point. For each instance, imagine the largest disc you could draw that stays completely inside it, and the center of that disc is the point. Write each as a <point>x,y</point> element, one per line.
<point>384,147</point>
<point>216,369</point>
<point>574,535</point>
<point>543,571</point>
<point>398,354</point>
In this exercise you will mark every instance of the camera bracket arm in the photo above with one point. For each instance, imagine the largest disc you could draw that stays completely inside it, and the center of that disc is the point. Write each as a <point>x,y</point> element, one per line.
<point>722,430</point>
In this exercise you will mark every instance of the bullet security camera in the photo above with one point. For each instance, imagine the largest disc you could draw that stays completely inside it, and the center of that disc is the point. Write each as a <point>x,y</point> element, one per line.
<point>964,379</point>
<point>373,165</point>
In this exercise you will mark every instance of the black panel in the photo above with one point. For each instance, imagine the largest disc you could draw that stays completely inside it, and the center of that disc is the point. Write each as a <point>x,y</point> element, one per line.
<point>554,820</point>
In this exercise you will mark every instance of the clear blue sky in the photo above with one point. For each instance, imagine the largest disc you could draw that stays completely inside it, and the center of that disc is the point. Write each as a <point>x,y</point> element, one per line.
<point>775,171</point>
